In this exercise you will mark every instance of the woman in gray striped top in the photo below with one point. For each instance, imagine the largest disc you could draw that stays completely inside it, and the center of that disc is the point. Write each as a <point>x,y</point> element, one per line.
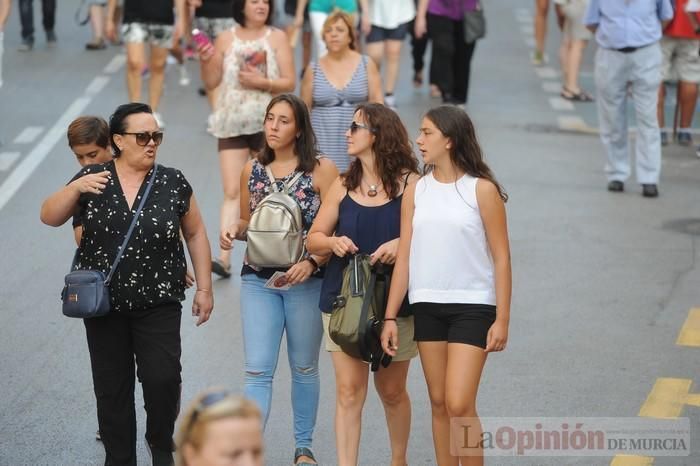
<point>335,85</point>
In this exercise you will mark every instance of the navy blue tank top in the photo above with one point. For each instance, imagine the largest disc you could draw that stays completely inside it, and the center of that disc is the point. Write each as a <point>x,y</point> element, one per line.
<point>368,228</point>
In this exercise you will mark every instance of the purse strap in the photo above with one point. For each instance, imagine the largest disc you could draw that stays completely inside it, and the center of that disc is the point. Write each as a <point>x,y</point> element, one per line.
<point>122,248</point>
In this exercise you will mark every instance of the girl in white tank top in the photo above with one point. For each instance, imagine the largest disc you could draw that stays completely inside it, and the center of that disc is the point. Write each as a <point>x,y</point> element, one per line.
<point>454,262</point>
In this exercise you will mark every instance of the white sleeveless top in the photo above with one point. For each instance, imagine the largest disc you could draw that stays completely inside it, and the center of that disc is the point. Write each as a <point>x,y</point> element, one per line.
<point>450,260</point>
<point>242,111</point>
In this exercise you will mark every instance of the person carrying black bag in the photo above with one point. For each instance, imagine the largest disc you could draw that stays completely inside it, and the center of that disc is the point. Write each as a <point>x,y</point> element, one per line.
<point>142,328</point>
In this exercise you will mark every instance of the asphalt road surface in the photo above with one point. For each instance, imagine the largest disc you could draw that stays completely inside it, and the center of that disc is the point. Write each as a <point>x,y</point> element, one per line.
<point>603,284</point>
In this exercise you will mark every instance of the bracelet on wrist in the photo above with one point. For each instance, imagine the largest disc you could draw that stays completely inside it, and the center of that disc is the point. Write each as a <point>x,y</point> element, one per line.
<point>390,318</point>
<point>204,290</point>
<point>312,261</point>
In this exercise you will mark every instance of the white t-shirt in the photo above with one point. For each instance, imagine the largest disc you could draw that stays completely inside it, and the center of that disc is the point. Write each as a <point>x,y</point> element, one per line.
<point>390,14</point>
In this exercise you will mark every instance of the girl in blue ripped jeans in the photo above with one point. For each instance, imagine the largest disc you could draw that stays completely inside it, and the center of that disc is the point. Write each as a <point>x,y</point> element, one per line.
<point>267,313</point>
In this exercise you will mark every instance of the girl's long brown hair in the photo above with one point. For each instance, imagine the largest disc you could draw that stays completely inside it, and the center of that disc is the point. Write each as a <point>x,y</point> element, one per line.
<point>393,155</point>
<point>465,152</point>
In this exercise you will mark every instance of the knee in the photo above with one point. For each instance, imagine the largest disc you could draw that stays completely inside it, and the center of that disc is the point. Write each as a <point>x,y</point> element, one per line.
<point>134,64</point>
<point>350,396</point>
<point>257,376</point>
<point>305,373</point>
<point>392,396</point>
<point>460,407</point>
<point>438,405</point>
<point>232,192</point>
<point>161,381</point>
<point>157,67</point>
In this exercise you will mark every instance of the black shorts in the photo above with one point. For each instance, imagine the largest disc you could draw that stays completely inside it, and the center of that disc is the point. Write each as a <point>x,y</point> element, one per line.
<point>454,323</point>
<point>378,34</point>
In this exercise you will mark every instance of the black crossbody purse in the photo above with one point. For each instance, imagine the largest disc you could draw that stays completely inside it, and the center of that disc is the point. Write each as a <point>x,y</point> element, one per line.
<point>86,292</point>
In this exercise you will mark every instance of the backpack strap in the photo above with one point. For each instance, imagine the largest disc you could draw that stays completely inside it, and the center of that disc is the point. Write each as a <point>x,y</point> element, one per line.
<point>287,186</point>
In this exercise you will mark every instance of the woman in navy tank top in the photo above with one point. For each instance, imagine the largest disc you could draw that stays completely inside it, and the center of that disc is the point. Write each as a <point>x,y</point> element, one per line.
<point>362,214</point>
<point>454,261</point>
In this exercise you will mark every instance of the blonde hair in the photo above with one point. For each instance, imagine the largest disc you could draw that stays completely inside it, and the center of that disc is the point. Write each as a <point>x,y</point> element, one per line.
<point>200,413</point>
<point>344,17</point>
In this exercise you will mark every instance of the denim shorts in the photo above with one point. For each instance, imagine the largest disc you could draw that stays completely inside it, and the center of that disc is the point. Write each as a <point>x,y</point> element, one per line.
<point>378,34</point>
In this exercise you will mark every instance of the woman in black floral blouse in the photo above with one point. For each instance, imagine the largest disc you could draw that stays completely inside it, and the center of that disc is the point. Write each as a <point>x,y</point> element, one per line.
<point>143,329</point>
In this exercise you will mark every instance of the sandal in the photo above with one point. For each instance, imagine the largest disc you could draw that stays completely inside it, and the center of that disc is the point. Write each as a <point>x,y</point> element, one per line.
<point>219,268</point>
<point>581,96</point>
<point>96,45</point>
<point>303,451</point>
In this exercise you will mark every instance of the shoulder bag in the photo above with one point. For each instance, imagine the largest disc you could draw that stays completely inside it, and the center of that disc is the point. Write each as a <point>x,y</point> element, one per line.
<point>474,24</point>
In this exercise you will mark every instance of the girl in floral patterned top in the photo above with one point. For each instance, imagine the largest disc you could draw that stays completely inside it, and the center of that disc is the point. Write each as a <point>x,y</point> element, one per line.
<point>290,147</point>
<point>248,64</point>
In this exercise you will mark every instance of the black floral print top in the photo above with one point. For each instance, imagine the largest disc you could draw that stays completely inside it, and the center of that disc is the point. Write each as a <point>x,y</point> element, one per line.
<point>152,270</point>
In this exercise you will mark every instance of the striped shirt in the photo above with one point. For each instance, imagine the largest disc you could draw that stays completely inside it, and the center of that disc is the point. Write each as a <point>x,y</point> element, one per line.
<point>332,111</point>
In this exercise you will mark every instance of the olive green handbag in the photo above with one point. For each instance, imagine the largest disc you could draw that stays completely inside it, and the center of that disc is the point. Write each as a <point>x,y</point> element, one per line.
<point>358,311</point>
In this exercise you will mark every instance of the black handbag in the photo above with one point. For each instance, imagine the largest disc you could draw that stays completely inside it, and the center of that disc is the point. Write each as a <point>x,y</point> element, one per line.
<point>474,24</point>
<point>86,292</point>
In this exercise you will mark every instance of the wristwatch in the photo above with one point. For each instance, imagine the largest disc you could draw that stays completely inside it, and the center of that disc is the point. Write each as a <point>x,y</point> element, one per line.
<point>313,262</point>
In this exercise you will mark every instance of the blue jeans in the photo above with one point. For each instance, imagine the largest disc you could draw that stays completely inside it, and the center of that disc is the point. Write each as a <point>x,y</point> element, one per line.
<point>266,315</point>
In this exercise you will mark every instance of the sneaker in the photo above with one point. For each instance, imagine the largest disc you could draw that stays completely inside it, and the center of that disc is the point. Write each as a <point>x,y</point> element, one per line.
<point>159,120</point>
<point>184,76</point>
<point>685,139</point>
<point>26,46</point>
<point>98,436</point>
<point>539,58</point>
<point>390,101</point>
<point>50,38</point>
<point>664,138</point>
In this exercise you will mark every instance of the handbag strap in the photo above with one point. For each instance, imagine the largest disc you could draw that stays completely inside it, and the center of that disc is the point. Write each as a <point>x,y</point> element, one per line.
<point>288,185</point>
<point>122,248</point>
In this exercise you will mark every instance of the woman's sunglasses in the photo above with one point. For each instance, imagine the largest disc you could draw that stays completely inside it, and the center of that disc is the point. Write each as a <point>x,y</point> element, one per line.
<point>355,126</point>
<point>144,137</point>
<point>208,401</point>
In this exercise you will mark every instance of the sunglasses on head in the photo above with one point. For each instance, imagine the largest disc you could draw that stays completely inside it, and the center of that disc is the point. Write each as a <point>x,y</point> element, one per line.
<point>355,126</point>
<point>206,402</point>
<point>144,137</point>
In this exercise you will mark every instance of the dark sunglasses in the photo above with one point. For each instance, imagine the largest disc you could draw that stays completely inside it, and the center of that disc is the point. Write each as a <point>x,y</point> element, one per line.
<point>355,126</point>
<point>144,137</point>
<point>206,402</point>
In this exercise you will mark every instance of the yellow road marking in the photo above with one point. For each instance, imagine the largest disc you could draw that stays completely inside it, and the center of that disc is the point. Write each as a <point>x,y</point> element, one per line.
<point>630,460</point>
<point>690,332</point>
<point>668,397</point>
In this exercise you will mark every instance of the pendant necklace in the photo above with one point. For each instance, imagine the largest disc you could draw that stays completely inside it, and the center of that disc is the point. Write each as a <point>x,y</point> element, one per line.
<point>372,192</point>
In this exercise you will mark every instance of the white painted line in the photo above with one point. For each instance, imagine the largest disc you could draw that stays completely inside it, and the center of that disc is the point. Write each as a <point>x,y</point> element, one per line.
<point>557,103</point>
<point>524,18</point>
<point>7,159</point>
<point>527,29</point>
<point>571,123</point>
<point>530,42</point>
<point>546,72</point>
<point>28,134</point>
<point>96,85</point>
<point>25,169</point>
<point>553,87</point>
<point>114,65</point>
